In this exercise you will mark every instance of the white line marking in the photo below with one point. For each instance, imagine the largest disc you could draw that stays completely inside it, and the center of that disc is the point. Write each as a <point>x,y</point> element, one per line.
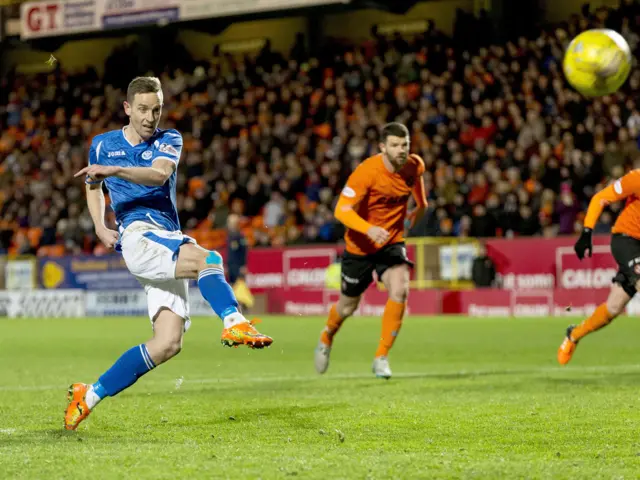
<point>352,376</point>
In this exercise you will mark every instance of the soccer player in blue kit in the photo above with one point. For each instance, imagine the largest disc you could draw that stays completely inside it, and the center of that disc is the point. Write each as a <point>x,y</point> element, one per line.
<point>138,165</point>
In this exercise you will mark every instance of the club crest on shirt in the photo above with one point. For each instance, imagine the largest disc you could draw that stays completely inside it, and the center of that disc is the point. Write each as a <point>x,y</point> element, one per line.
<point>146,155</point>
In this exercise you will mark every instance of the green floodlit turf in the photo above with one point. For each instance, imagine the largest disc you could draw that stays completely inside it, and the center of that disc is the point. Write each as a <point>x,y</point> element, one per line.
<point>471,398</point>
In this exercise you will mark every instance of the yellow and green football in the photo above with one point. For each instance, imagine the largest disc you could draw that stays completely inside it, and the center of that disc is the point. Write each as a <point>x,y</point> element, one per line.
<point>597,62</point>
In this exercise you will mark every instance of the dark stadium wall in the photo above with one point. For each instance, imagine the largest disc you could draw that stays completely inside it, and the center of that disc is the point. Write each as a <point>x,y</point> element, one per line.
<point>560,10</point>
<point>281,32</point>
<point>354,26</point>
<point>357,25</point>
<point>515,19</point>
<point>77,54</point>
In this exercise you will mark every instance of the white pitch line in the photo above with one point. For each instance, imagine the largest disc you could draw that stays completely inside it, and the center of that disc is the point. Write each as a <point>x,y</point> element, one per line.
<point>348,376</point>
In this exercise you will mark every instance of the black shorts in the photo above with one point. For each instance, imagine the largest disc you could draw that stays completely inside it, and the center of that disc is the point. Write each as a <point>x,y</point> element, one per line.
<point>357,270</point>
<point>626,251</point>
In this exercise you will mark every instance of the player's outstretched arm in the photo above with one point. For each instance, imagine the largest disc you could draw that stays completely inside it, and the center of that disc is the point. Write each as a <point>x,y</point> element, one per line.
<point>154,176</point>
<point>619,190</point>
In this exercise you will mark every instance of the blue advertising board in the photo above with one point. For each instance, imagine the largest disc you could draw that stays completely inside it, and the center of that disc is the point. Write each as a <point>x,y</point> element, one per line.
<point>87,272</point>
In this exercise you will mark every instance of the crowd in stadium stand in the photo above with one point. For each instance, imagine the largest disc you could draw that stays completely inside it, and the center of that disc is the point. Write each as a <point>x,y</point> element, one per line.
<point>509,148</point>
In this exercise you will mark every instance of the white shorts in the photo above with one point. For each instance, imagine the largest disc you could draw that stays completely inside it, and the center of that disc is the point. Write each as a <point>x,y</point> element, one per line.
<point>151,255</point>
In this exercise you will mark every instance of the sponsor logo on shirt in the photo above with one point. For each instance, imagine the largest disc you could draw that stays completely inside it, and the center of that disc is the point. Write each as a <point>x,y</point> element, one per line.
<point>165,148</point>
<point>618,187</point>
<point>348,192</point>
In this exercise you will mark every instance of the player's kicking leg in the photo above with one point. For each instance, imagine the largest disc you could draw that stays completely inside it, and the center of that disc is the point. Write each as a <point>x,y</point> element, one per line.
<point>151,259</point>
<point>196,262</point>
<point>339,312</point>
<point>168,329</point>
<point>626,252</point>
<point>601,317</point>
<point>396,281</point>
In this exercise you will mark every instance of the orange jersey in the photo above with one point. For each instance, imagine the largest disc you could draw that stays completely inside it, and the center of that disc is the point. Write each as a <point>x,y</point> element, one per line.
<point>379,197</point>
<point>627,187</point>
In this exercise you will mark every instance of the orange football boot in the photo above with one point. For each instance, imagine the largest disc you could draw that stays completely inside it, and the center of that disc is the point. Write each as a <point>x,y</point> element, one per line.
<point>245,333</point>
<point>565,352</point>
<point>77,410</point>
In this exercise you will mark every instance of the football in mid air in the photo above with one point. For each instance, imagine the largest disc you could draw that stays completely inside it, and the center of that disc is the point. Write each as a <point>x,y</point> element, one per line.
<point>597,62</point>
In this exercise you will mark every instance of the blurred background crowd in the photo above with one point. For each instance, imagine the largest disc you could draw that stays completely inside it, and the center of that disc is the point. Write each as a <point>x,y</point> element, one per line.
<point>270,139</point>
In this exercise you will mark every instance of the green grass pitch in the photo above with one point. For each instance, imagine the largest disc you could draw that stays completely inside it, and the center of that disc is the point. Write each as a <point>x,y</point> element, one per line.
<point>471,398</point>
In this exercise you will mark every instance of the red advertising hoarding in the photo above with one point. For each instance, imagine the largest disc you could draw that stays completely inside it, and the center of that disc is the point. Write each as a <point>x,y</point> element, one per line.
<point>534,263</point>
<point>540,277</point>
<point>523,264</point>
<point>474,303</point>
<point>292,267</point>
<point>317,301</point>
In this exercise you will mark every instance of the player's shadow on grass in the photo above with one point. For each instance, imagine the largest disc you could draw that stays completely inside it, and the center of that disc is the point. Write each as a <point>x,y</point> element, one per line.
<point>585,379</point>
<point>459,375</point>
<point>53,435</point>
<point>295,415</point>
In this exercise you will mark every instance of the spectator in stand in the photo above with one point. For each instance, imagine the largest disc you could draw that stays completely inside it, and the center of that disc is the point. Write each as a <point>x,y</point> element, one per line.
<point>567,210</point>
<point>483,270</point>
<point>236,250</point>
<point>274,211</point>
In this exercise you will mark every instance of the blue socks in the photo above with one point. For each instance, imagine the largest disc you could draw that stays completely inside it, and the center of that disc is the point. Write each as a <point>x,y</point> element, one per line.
<point>217,292</point>
<point>132,365</point>
<point>135,362</point>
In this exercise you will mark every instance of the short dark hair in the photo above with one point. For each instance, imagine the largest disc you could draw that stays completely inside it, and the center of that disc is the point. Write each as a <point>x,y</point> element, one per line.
<point>393,129</point>
<point>143,85</point>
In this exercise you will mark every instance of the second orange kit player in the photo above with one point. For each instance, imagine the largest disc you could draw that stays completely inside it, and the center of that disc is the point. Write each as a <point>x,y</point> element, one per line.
<point>625,248</point>
<point>373,207</point>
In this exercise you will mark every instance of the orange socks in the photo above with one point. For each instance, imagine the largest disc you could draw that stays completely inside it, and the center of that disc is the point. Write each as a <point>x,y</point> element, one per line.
<point>391,323</point>
<point>600,318</point>
<point>334,322</point>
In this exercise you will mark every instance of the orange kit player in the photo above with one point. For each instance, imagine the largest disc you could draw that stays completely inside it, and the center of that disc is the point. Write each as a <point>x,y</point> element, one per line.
<point>373,207</point>
<point>625,248</point>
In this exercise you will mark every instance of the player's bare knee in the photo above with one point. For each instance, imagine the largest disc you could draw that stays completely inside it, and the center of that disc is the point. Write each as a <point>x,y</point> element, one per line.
<point>168,330</point>
<point>399,293</point>
<point>166,348</point>
<point>617,300</point>
<point>346,306</point>
<point>398,285</point>
<point>210,259</point>
<point>162,349</point>
<point>615,307</point>
<point>172,348</point>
